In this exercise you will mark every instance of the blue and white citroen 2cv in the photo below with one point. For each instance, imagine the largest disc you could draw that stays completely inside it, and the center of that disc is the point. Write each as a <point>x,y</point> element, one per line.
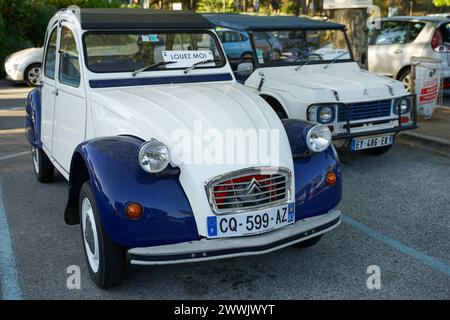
<point>117,85</point>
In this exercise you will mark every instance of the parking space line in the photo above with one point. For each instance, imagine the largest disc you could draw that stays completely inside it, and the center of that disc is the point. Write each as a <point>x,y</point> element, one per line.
<point>424,258</point>
<point>12,131</point>
<point>9,278</point>
<point>14,155</point>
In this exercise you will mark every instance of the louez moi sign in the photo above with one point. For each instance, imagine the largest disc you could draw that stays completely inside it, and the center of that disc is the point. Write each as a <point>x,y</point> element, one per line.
<point>186,58</point>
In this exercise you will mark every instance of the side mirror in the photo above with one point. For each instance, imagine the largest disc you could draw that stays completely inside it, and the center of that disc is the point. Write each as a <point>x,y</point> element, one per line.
<point>245,69</point>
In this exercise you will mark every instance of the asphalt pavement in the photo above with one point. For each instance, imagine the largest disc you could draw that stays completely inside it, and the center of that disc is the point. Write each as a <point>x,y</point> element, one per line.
<point>396,217</point>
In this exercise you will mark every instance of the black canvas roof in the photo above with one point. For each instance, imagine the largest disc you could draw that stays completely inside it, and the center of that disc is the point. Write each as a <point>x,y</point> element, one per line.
<point>141,19</point>
<point>248,22</point>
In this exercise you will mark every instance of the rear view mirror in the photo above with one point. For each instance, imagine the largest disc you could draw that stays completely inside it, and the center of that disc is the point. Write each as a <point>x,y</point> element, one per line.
<point>245,69</point>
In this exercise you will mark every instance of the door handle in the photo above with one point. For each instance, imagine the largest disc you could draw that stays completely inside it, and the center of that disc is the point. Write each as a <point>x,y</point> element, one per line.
<point>398,51</point>
<point>55,92</point>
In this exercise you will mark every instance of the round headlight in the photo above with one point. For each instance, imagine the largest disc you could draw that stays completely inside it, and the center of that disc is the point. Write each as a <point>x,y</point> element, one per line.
<point>325,114</point>
<point>318,138</point>
<point>154,156</point>
<point>404,106</point>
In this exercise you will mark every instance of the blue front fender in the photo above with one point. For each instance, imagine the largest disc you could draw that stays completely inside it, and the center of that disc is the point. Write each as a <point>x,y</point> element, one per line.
<point>117,179</point>
<point>33,118</point>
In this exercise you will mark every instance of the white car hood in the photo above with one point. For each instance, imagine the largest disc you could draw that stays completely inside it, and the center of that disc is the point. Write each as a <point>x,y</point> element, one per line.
<point>156,111</point>
<point>319,84</point>
<point>34,54</point>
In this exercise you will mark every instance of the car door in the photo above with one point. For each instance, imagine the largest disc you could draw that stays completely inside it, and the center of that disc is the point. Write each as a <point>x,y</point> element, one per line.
<point>48,89</point>
<point>387,47</point>
<point>70,104</point>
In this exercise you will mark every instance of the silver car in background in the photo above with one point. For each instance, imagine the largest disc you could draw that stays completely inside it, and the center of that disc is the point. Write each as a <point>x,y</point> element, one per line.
<point>400,38</point>
<point>25,66</point>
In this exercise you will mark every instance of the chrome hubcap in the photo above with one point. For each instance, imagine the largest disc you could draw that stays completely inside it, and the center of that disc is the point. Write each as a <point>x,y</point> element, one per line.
<point>90,236</point>
<point>35,157</point>
<point>407,82</point>
<point>34,76</point>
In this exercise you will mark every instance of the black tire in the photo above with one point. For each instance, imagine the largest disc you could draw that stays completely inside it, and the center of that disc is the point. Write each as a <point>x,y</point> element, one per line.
<point>308,243</point>
<point>42,166</point>
<point>112,260</point>
<point>405,77</point>
<point>31,76</point>
<point>377,151</point>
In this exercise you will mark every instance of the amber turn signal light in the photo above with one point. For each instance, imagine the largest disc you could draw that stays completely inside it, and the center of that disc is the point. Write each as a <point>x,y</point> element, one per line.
<point>134,211</point>
<point>331,179</point>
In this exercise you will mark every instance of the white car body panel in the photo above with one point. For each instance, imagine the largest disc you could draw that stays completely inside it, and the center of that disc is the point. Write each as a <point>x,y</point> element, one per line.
<point>219,106</point>
<point>315,84</point>
<point>17,63</point>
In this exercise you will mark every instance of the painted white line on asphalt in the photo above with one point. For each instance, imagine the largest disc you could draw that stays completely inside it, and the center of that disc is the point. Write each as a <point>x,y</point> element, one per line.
<point>422,257</point>
<point>14,155</point>
<point>9,277</point>
<point>12,131</point>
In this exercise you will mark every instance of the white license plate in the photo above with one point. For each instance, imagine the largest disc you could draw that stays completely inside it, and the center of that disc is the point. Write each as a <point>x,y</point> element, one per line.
<point>250,223</point>
<point>372,142</point>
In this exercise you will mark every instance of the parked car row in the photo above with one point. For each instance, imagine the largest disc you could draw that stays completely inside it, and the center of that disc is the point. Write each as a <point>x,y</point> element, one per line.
<point>124,94</point>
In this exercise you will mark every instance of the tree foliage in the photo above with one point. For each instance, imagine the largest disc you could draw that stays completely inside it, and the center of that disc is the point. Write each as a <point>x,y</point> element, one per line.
<point>441,3</point>
<point>215,6</point>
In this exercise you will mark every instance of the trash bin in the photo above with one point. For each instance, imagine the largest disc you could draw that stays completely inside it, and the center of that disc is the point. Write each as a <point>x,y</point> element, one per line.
<point>427,84</point>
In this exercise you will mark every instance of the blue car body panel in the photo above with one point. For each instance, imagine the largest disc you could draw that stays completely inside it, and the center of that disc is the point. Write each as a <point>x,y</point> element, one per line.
<point>33,118</point>
<point>117,179</point>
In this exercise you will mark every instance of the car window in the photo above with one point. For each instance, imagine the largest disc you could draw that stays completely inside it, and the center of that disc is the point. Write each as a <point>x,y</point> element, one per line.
<point>127,51</point>
<point>69,66</point>
<point>392,32</point>
<point>414,30</point>
<point>446,32</point>
<point>299,46</point>
<point>231,37</point>
<point>50,56</point>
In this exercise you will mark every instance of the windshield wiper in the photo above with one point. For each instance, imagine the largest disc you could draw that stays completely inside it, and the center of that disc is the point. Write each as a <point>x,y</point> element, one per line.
<point>162,63</point>
<point>195,65</point>
<point>304,64</point>
<point>335,58</point>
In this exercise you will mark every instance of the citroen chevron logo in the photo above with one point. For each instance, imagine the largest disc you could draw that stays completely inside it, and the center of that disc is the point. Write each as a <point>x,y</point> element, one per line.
<point>254,187</point>
<point>365,93</point>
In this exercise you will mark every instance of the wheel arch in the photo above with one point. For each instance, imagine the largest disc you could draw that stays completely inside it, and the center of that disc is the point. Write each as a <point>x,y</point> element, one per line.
<point>78,166</point>
<point>402,69</point>
<point>276,105</point>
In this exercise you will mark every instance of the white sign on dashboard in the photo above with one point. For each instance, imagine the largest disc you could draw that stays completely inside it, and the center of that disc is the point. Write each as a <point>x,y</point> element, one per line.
<point>187,58</point>
<point>346,4</point>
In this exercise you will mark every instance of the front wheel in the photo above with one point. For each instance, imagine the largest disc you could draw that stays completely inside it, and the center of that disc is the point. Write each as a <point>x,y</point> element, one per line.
<point>378,151</point>
<point>106,260</point>
<point>42,166</point>
<point>33,75</point>
<point>308,243</point>
<point>406,78</point>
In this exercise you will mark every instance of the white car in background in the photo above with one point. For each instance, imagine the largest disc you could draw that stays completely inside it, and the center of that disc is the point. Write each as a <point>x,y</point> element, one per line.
<point>400,38</point>
<point>25,66</point>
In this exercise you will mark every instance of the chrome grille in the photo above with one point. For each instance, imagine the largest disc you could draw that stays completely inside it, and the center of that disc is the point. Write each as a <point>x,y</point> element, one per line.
<point>248,190</point>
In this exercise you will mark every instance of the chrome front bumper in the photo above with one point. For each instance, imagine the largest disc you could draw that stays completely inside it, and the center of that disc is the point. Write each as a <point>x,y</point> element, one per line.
<point>214,249</point>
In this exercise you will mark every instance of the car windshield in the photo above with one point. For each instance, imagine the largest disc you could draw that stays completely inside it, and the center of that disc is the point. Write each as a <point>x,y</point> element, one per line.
<point>149,51</point>
<point>300,46</point>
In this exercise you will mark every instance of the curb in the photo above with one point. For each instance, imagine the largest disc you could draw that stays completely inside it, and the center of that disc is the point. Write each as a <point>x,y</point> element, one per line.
<point>416,140</point>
